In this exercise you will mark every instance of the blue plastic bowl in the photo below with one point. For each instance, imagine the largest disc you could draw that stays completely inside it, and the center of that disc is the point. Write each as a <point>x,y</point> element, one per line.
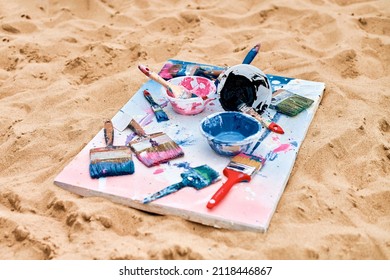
<point>230,133</point>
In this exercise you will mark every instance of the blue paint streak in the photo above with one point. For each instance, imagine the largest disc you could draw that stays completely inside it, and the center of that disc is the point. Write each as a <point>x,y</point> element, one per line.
<point>186,142</point>
<point>294,143</point>
<point>273,155</point>
<point>185,165</point>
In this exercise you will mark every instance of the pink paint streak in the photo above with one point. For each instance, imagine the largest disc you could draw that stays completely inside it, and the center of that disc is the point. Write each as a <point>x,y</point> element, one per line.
<point>158,171</point>
<point>282,148</point>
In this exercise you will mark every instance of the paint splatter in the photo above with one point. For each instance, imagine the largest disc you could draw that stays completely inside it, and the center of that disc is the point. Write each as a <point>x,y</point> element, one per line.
<point>185,165</point>
<point>186,142</point>
<point>159,171</point>
<point>282,148</point>
<point>286,147</point>
<point>184,138</point>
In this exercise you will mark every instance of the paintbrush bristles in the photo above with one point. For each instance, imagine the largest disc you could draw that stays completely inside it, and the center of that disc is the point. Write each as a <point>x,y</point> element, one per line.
<point>247,163</point>
<point>158,111</point>
<point>289,103</point>
<point>109,168</point>
<point>110,160</point>
<point>160,114</point>
<point>160,154</point>
<point>155,148</point>
<point>208,173</point>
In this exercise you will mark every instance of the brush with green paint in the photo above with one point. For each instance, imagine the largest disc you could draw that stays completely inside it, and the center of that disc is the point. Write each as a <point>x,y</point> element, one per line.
<point>197,177</point>
<point>289,103</point>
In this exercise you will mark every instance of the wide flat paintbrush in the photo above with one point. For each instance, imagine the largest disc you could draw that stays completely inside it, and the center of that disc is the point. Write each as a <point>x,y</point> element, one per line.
<point>110,160</point>
<point>172,90</point>
<point>289,103</point>
<point>240,169</point>
<point>197,177</point>
<point>161,116</point>
<point>153,149</point>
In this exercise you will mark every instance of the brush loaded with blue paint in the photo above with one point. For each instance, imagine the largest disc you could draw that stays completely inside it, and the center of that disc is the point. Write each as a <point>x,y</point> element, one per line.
<point>197,177</point>
<point>161,116</point>
<point>110,160</point>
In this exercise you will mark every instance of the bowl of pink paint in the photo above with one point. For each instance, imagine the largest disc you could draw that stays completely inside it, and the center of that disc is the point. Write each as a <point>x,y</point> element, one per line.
<point>203,90</point>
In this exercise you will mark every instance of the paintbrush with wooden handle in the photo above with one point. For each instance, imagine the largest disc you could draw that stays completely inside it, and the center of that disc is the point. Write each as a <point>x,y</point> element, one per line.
<point>172,90</point>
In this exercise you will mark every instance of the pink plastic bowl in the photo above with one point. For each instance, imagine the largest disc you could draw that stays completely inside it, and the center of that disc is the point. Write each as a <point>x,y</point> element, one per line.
<point>202,87</point>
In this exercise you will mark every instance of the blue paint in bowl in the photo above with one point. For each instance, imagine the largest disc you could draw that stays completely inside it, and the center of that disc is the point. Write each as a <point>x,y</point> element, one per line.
<point>230,133</point>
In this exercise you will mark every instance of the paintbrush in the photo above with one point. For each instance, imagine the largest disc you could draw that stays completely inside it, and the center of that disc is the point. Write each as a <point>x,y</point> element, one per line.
<point>289,103</point>
<point>270,125</point>
<point>240,169</point>
<point>153,149</point>
<point>251,54</point>
<point>172,90</point>
<point>197,177</point>
<point>110,160</point>
<point>249,110</point>
<point>161,116</point>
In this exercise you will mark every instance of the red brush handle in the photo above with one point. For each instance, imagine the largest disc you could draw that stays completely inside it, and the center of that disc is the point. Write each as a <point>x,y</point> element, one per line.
<point>233,178</point>
<point>270,125</point>
<point>276,128</point>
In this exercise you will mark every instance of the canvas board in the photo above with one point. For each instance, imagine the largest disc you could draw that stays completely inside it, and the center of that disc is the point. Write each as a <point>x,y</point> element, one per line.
<point>248,206</point>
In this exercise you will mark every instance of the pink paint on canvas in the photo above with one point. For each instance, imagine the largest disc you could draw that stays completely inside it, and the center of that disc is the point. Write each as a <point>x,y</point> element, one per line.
<point>249,206</point>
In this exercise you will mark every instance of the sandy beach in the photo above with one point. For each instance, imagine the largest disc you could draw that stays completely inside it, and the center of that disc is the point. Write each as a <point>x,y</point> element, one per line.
<point>68,65</point>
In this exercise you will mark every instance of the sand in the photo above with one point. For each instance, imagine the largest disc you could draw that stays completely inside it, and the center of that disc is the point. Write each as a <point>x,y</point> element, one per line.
<point>67,65</point>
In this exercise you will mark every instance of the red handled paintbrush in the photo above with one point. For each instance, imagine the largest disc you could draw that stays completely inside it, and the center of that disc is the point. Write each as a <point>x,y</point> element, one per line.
<point>270,125</point>
<point>240,169</point>
<point>249,110</point>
